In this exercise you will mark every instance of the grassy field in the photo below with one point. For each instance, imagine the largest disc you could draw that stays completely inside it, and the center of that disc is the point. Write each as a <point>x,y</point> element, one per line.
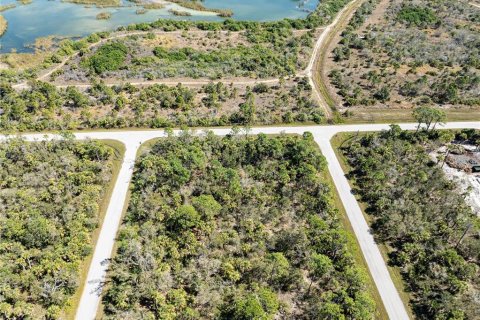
<point>405,115</point>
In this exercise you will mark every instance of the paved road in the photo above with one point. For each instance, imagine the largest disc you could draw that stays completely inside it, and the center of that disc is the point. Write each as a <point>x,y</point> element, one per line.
<point>322,134</point>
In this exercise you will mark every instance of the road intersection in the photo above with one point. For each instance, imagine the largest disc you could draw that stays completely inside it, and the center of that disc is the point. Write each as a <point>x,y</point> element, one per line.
<point>132,140</point>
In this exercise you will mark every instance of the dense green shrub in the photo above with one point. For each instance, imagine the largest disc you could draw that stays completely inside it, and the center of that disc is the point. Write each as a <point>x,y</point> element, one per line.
<point>108,57</point>
<point>417,16</point>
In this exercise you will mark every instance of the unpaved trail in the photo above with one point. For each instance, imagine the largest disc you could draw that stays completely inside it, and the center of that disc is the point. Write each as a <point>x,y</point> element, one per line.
<point>307,72</point>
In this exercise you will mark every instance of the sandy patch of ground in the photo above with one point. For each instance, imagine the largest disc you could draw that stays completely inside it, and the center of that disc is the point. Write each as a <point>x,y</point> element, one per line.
<point>468,183</point>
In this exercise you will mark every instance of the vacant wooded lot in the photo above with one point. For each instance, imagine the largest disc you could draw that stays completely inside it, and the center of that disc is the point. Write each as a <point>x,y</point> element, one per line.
<point>50,194</point>
<point>234,228</point>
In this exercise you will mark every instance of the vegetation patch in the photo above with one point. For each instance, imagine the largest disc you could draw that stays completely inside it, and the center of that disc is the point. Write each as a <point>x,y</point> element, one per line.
<point>180,13</point>
<point>7,6</point>
<point>50,194</point>
<point>44,107</point>
<point>109,57</point>
<point>198,6</point>
<point>234,228</point>
<point>421,216</point>
<point>210,55</point>
<point>417,16</point>
<point>240,60</point>
<point>153,5</point>
<point>3,25</point>
<point>98,3</point>
<point>104,16</point>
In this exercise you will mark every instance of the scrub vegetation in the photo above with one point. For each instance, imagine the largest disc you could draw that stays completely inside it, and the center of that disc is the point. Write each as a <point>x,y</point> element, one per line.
<point>44,107</point>
<point>50,194</point>
<point>422,216</point>
<point>239,227</point>
<point>405,53</point>
<point>7,6</point>
<point>108,57</point>
<point>104,16</point>
<point>212,55</point>
<point>98,3</point>
<point>269,32</point>
<point>198,6</point>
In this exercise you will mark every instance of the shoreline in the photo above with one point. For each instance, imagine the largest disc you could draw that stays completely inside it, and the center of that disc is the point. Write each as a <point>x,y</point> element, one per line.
<point>3,25</point>
<point>176,5</point>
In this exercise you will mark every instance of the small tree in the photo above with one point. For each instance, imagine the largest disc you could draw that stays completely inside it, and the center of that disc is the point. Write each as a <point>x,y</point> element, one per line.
<point>429,116</point>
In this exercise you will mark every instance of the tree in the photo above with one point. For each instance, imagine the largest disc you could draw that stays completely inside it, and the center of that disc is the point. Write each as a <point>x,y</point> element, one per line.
<point>77,99</point>
<point>207,206</point>
<point>261,304</point>
<point>321,268</point>
<point>184,218</point>
<point>247,110</point>
<point>428,115</point>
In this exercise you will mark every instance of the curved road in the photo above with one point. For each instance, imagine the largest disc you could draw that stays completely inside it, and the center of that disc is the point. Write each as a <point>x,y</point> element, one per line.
<point>307,72</point>
<point>90,298</point>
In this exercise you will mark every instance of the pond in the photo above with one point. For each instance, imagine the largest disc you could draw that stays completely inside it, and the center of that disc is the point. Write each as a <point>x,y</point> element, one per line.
<point>43,18</point>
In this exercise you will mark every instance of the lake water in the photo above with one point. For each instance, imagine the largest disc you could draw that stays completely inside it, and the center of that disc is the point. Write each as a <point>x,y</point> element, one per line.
<point>43,18</point>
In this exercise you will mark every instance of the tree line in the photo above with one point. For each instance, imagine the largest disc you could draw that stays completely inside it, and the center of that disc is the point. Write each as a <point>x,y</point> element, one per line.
<point>46,107</point>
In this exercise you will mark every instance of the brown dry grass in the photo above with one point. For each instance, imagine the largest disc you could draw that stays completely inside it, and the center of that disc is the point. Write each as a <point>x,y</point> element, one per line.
<point>166,41</point>
<point>23,61</point>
